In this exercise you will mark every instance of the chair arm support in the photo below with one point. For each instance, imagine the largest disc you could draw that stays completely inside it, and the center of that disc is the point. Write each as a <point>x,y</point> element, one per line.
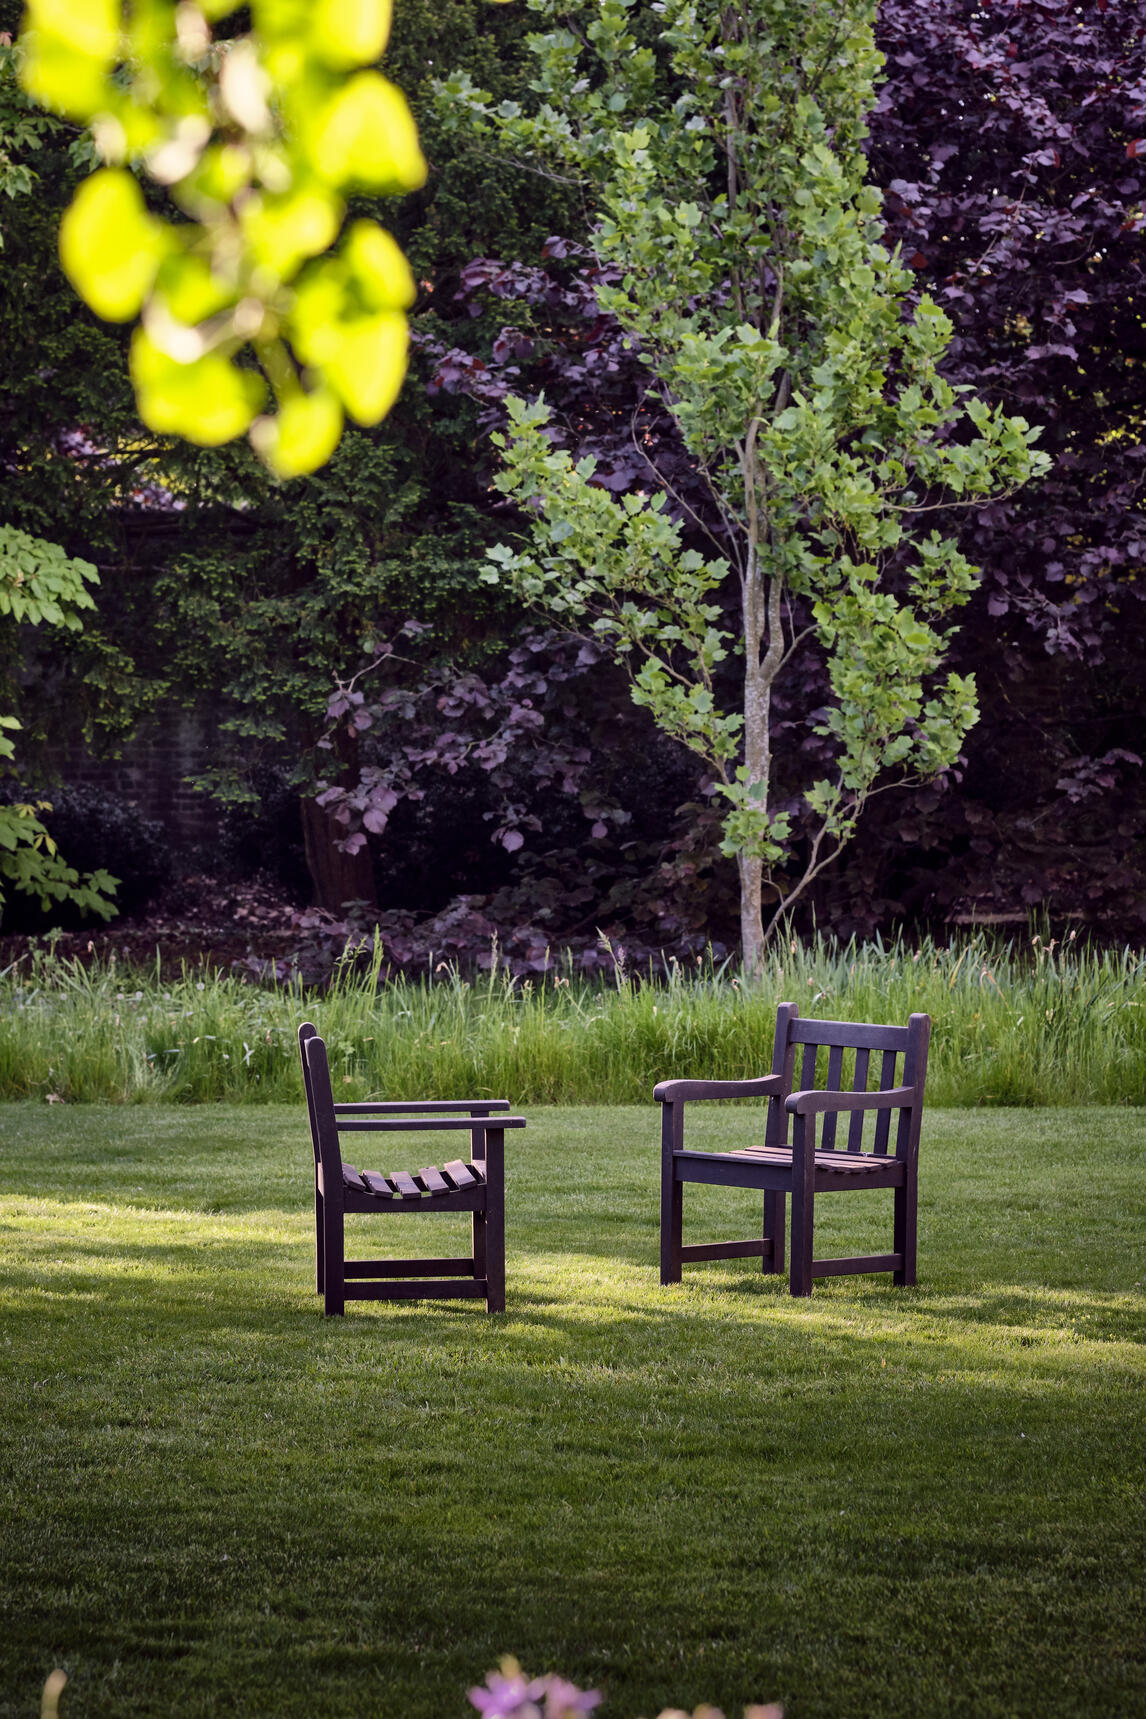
<point>810,1102</point>
<point>676,1091</point>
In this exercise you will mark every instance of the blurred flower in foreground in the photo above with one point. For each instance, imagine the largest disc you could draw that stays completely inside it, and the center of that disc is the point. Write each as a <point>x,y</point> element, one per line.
<point>510,1694</point>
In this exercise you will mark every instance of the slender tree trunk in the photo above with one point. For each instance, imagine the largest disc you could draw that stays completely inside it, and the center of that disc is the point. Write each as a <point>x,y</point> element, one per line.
<point>751,913</point>
<point>763,654</point>
<point>757,762</point>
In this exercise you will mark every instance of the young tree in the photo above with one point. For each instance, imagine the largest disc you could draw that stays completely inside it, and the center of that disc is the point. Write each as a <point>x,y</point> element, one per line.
<point>783,339</point>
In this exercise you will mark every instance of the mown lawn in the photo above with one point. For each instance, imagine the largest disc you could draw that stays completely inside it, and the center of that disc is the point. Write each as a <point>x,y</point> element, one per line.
<point>877,1502</point>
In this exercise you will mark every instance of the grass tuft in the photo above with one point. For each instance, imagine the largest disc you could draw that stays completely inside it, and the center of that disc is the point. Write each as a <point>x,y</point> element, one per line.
<point>1014,1024</point>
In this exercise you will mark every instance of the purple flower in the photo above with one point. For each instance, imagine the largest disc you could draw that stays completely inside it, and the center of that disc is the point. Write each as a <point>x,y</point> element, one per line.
<point>509,1694</point>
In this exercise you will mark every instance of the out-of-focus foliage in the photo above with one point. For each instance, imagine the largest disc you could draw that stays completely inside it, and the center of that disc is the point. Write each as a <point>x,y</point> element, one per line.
<point>259,139</point>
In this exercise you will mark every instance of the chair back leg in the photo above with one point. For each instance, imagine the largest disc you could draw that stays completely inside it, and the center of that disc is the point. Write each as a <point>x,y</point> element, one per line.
<point>803,1204</point>
<point>775,1212</point>
<point>334,1258</point>
<point>319,1240</point>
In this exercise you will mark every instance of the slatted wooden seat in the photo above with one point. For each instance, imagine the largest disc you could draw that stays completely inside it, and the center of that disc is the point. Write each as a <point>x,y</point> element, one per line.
<point>476,1185</point>
<point>801,1168</point>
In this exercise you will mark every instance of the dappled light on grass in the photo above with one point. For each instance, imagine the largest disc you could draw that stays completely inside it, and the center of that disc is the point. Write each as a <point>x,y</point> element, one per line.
<point>707,1493</point>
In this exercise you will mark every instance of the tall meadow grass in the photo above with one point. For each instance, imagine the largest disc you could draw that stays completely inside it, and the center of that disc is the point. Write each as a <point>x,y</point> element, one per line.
<point>1020,1023</point>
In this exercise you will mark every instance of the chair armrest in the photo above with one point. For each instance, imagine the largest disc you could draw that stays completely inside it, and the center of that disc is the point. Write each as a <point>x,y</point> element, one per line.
<point>810,1102</point>
<point>479,1107</point>
<point>428,1124</point>
<point>676,1091</point>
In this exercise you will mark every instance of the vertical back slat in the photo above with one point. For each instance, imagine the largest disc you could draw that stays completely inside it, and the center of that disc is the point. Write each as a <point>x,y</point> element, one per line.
<point>859,1084</point>
<point>783,1064</point>
<point>808,1068</point>
<point>883,1121</point>
<point>835,1077</point>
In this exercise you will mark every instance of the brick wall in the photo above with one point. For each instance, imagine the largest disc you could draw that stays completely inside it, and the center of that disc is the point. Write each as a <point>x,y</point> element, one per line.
<point>151,774</point>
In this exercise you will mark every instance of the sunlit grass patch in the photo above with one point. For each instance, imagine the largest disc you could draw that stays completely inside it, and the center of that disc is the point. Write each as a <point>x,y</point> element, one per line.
<point>876,1502</point>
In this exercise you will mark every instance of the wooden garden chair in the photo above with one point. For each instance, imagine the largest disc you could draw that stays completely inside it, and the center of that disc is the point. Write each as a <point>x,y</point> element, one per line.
<point>476,1185</point>
<point>802,1167</point>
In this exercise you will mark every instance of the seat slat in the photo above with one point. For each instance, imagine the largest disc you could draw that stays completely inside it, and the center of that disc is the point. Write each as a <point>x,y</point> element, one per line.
<point>434,1181</point>
<point>462,1175</point>
<point>855,1163</point>
<point>406,1185</point>
<point>378,1184</point>
<point>352,1179</point>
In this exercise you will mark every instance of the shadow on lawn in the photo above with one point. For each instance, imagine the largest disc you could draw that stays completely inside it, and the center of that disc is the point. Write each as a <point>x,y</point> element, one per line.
<point>264,1285</point>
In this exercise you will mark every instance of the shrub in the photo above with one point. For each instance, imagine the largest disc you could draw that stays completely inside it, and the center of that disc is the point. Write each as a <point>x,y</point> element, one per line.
<point>95,831</point>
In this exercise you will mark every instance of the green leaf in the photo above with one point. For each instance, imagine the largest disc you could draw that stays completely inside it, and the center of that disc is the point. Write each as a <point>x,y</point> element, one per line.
<point>69,47</point>
<point>366,136</point>
<point>303,435</point>
<point>110,247</point>
<point>284,231</point>
<point>347,33</point>
<point>209,401</point>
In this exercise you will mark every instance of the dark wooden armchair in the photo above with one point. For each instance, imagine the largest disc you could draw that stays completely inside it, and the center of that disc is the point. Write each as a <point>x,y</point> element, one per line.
<point>476,1186</point>
<point>800,1167</point>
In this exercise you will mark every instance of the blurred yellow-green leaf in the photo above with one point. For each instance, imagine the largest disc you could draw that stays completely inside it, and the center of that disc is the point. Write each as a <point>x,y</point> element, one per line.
<point>110,247</point>
<point>349,33</point>
<point>69,47</point>
<point>253,137</point>
<point>303,435</point>
<point>367,364</point>
<point>190,290</point>
<point>283,231</point>
<point>366,136</point>
<point>208,401</point>
<point>378,268</point>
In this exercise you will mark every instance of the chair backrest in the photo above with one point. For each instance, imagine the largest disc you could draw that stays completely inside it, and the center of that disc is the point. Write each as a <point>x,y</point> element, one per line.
<point>824,1065</point>
<point>320,1106</point>
<point>306,1032</point>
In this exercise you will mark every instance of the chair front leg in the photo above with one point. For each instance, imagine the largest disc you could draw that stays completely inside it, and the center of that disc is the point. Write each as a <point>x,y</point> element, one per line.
<point>775,1213</point>
<point>672,1194</point>
<point>334,1257</point>
<point>803,1203</point>
<point>905,1224</point>
<point>493,1225</point>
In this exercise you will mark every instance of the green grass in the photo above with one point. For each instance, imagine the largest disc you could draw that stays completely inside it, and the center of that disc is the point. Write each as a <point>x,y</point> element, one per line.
<point>1019,1024</point>
<point>878,1502</point>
